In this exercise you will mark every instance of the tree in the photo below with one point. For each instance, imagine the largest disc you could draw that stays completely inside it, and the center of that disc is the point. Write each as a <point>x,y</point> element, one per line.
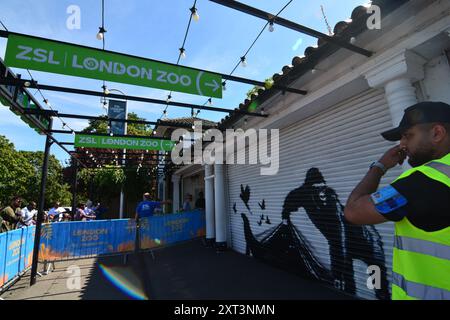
<point>55,189</point>
<point>20,174</point>
<point>15,172</point>
<point>104,184</point>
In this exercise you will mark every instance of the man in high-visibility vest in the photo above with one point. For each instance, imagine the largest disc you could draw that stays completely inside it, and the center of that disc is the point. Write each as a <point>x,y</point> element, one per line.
<point>418,201</point>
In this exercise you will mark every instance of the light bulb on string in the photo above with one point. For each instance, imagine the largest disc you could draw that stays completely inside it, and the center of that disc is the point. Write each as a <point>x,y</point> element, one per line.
<point>243,61</point>
<point>182,53</point>
<point>101,33</point>
<point>271,27</point>
<point>194,13</point>
<point>105,90</point>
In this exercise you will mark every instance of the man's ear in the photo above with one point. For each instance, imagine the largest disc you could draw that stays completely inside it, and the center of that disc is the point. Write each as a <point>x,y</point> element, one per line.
<point>439,133</point>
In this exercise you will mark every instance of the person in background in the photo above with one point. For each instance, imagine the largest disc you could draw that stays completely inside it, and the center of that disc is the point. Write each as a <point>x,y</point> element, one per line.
<point>187,204</point>
<point>81,215</point>
<point>146,208</point>
<point>100,211</point>
<point>27,215</point>
<point>200,202</point>
<point>11,215</point>
<point>53,213</point>
<point>89,210</point>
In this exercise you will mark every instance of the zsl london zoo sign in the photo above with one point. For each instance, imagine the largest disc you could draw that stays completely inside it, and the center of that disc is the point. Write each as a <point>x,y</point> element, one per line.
<point>64,58</point>
<point>107,142</point>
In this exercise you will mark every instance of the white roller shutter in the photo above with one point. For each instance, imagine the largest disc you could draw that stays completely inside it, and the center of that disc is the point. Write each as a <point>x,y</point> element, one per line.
<point>341,142</point>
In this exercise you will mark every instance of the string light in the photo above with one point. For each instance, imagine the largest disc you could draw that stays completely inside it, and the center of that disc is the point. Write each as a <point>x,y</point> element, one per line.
<point>105,90</point>
<point>194,13</point>
<point>271,28</point>
<point>210,101</point>
<point>182,53</point>
<point>101,33</point>
<point>224,86</point>
<point>243,61</point>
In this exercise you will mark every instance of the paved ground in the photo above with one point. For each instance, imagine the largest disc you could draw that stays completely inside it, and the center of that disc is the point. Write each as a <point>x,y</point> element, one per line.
<point>184,271</point>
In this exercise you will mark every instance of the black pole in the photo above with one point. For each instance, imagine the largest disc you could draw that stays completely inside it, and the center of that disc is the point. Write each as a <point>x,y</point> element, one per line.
<point>40,216</point>
<point>74,194</point>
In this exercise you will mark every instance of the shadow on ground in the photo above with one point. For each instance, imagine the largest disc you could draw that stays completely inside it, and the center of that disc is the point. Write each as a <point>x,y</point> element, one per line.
<point>186,271</point>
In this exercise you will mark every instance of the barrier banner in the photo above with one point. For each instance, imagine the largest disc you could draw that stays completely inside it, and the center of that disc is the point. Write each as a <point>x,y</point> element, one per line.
<point>86,238</point>
<point>16,252</point>
<point>161,230</point>
<point>63,240</point>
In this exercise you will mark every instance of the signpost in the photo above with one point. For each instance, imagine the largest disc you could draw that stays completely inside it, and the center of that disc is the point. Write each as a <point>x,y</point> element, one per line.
<point>69,59</point>
<point>117,110</point>
<point>130,143</point>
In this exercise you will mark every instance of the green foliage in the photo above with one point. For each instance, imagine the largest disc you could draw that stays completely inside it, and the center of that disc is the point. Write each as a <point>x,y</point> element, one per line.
<point>20,174</point>
<point>105,184</point>
<point>99,126</point>
<point>268,83</point>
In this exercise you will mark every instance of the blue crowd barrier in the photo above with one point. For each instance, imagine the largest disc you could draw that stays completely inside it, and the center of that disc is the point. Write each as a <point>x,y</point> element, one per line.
<point>161,230</point>
<point>65,240</point>
<point>72,240</point>
<point>16,253</point>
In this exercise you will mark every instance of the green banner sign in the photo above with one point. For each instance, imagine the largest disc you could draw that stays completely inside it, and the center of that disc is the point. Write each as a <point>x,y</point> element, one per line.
<point>25,101</point>
<point>64,58</point>
<point>112,142</point>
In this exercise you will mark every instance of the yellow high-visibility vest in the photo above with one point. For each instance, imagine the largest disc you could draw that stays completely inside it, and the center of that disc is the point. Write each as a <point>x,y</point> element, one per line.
<point>421,259</point>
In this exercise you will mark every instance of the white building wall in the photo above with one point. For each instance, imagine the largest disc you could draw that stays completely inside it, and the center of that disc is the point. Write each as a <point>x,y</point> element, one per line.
<point>341,142</point>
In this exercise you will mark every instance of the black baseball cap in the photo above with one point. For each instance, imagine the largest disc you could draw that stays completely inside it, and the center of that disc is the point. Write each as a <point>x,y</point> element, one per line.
<point>422,112</point>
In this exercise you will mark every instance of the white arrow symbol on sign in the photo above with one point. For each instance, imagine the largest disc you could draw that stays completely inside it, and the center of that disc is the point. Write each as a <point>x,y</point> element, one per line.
<point>215,85</point>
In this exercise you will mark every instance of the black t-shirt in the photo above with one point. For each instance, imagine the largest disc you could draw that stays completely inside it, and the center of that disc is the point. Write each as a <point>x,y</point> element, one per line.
<point>428,206</point>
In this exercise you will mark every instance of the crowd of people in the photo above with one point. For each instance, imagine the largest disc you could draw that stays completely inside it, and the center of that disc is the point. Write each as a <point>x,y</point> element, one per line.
<point>14,216</point>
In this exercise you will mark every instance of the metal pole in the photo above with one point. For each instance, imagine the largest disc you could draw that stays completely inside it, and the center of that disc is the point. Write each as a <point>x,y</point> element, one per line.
<point>74,194</point>
<point>40,216</point>
<point>122,194</point>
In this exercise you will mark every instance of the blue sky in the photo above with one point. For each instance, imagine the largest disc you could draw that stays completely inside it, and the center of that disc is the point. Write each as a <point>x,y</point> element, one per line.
<point>155,29</point>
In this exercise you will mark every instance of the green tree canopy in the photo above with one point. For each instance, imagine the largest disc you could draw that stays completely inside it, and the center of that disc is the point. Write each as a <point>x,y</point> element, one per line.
<point>20,174</point>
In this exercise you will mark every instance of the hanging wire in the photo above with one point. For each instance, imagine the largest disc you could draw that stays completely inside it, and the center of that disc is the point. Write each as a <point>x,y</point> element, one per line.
<point>4,26</point>
<point>179,55</point>
<point>64,124</point>
<point>253,43</point>
<point>103,99</point>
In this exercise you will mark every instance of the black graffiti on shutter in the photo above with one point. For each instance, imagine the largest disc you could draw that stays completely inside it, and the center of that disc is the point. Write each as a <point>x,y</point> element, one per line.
<point>284,245</point>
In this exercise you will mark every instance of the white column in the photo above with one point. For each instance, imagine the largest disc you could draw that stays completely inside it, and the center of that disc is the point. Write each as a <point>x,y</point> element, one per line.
<point>176,193</point>
<point>396,76</point>
<point>209,205</point>
<point>400,95</point>
<point>220,211</point>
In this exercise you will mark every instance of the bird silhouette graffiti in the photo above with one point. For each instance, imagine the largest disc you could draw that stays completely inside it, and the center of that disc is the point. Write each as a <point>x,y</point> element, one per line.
<point>262,205</point>
<point>245,196</point>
